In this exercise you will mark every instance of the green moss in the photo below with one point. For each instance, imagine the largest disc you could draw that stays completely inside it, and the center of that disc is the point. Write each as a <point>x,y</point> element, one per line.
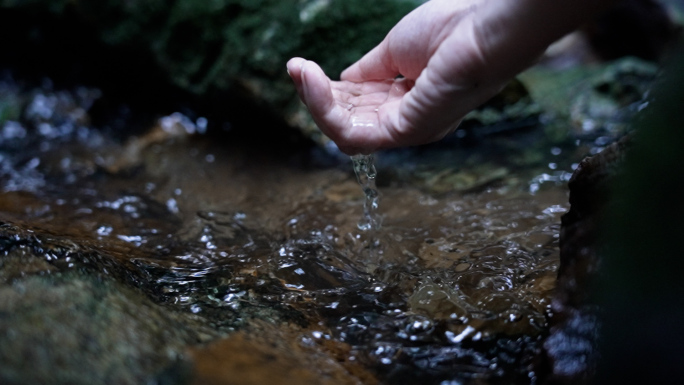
<point>348,29</point>
<point>211,43</point>
<point>218,45</point>
<point>76,329</point>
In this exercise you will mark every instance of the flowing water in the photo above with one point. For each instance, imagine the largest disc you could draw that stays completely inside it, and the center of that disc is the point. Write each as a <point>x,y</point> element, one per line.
<point>454,287</point>
<point>364,169</point>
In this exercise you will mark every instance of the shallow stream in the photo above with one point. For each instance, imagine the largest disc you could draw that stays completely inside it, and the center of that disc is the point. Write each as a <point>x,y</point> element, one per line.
<point>447,277</point>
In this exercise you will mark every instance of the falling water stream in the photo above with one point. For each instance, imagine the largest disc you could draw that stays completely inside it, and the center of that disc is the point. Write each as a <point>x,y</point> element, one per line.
<point>364,169</point>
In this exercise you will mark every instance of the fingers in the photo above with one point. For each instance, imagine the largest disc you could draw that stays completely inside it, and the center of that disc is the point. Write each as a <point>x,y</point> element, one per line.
<point>375,65</point>
<point>317,92</point>
<point>294,69</point>
<point>313,86</point>
<point>346,112</point>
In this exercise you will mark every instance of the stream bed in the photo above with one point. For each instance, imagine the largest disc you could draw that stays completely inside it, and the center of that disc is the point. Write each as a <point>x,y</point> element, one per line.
<point>178,255</point>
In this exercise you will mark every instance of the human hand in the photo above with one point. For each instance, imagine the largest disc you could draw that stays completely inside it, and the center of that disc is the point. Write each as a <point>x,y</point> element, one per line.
<point>438,63</point>
<point>435,51</point>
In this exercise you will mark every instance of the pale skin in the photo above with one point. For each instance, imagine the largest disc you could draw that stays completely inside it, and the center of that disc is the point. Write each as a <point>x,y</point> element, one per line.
<point>439,62</point>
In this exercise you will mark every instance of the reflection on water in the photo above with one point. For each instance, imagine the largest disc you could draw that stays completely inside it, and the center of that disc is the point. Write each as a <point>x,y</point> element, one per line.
<point>453,288</point>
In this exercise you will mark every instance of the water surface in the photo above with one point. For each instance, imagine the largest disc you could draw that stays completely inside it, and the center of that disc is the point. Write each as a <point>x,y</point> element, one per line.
<point>454,286</point>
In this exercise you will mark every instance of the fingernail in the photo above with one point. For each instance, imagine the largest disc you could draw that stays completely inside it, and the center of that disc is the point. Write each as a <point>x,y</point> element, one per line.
<point>302,68</point>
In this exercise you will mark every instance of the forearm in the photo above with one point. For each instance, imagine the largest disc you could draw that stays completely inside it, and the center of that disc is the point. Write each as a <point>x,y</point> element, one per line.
<point>453,55</point>
<point>489,46</point>
<point>537,21</point>
<point>513,32</point>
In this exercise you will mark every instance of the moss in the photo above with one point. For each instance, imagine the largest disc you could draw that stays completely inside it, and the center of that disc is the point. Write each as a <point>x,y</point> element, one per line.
<point>78,329</point>
<point>341,35</point>
<point>222,45</point>
<point>211,43</point>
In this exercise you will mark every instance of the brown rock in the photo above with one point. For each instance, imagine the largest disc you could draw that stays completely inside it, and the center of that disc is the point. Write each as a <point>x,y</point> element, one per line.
<point>570,348</point>
<point>275,355</point>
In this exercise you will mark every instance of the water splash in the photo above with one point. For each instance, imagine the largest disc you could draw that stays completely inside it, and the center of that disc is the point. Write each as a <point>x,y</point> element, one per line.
<point>364,168</point>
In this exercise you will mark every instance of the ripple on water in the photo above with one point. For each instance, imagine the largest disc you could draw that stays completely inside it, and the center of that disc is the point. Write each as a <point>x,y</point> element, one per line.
<point>452,287</point>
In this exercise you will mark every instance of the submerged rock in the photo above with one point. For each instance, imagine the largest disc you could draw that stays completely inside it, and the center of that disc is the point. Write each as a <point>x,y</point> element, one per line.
<point>277,355</point>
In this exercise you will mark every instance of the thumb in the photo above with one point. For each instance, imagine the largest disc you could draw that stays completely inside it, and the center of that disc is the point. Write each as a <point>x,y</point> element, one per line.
<point>316,91</point>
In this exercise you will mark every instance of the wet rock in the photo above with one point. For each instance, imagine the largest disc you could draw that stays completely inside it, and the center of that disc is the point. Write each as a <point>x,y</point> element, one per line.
<point>640,287</point>
<point>513,109</point>
<point>571,347</point>
<point>619,276</point>
<point>598,99</point>
<point>82,330</point>
<point>463,180</point>
<point>175,127</point>
<point>589,188</point>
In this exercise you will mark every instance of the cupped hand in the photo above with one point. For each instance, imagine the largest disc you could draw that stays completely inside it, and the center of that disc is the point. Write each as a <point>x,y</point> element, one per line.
<point>413,88</point>
<point>438,63</point>
<point>358,116</point>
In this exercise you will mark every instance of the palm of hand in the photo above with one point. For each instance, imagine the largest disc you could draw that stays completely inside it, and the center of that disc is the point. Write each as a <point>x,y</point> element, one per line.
<point>369,105</point>
<point>356,116</point>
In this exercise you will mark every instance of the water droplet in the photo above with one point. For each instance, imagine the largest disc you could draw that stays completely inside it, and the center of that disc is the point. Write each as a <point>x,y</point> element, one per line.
<point>457,338</point>
<point>202,125</point>
<point>104,230</point>
<point>172,206</point>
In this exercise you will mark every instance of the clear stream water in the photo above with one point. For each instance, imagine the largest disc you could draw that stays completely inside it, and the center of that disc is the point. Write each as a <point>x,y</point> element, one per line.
<point>454,287</point>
